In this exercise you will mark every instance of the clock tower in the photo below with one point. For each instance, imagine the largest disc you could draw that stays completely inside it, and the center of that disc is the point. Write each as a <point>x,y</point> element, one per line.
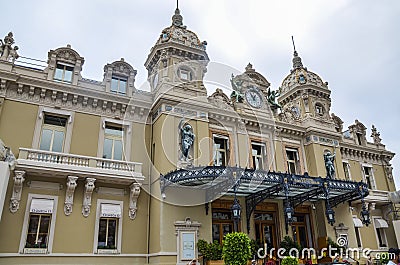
<point>177,62</point>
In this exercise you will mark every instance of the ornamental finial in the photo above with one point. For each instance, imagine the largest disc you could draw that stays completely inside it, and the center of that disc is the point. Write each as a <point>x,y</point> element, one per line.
<point>296,59</point>
<point>177,19</point>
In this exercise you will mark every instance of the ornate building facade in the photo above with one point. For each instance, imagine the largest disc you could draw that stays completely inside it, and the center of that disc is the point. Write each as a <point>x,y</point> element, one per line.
<point>106,173</point>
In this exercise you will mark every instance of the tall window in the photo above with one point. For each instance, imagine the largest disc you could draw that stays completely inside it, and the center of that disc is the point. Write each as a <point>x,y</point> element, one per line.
<point>113,140</point>
<point>53,133</point>
<point>369,178</point>
<point>380,228</point>
<point>346,168</point>
<point>258,155</point>
<point>118,85</point>
<point>39,220</point>
<point>293,161</point>
<point>220,150</point>
<point>359,138</point>
<point>109,227</point>
<point>358,237</point>
<point>63,73</point>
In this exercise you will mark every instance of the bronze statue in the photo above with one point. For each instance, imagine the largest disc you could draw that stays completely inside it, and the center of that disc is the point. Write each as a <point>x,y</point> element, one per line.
<point>272,95</point>
<point>187,139</point>
<point>330,167</point>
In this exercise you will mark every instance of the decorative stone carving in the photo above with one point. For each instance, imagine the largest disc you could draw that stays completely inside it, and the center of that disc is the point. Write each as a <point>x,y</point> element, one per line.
<point>134,194</point>
<point>87,196</point>
<point>358,130</point>
<point>219,99</point>
<point>338,122</point>
<point>187,225</point>
<point>376,136</point>
<point>7,52</point>
<point>69,194</point>
<point>342,232</point>
<point>17,190</point>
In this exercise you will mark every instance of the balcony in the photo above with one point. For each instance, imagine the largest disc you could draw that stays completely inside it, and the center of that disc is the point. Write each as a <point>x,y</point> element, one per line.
<point>53,164</point>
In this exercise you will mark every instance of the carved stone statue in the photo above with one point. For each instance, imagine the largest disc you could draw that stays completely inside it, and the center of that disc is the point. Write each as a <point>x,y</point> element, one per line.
<point>272,95</point>
<point>330,167</point>
<point>187,139</point>
<point>7,52</point>
<point>376,136</point>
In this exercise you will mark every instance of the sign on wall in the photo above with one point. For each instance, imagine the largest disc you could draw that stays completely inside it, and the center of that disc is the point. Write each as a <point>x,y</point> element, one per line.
<point>188,245</point>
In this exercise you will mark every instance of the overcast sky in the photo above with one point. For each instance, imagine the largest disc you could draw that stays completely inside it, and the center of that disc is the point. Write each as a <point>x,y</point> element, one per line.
<point>354,45</point>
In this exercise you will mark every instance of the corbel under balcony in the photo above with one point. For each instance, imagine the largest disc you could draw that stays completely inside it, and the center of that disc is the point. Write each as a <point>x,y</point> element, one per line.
<point>62,165</point>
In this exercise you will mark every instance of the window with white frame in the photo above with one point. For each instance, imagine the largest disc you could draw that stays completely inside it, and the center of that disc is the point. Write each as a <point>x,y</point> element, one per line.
<point>39,222</point>
<point>108,226</point>
<point>63,72</point>
<point>220,150</point>
<point>369,176</point>
<point>185,74</point>
<point>380,230</point>
<point>357,225</point>
<point>53,132</point>
<point>346,169</point>
<point>258,154</point>
<point>119,85</point>
<point>293,160</point>
<point>113,141</point>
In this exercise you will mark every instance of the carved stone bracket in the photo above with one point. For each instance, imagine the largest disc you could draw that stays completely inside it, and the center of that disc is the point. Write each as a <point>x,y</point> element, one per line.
<point>87,196</point>
<point>69,194</point>
<point>134,194</point>
<point>17,190</point>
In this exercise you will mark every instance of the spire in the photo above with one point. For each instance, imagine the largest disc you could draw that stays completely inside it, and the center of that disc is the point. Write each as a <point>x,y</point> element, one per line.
<point>177,19</point>
<point>296,59</point>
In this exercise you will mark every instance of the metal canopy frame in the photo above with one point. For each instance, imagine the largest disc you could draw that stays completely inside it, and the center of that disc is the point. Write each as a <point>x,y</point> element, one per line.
<point>258,185</point>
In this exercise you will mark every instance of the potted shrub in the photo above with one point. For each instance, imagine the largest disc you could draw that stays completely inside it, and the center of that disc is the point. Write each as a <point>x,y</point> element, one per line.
<point>236,249</point>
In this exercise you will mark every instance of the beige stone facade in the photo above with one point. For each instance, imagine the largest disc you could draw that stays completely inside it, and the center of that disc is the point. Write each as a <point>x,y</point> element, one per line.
<point>91,157</point>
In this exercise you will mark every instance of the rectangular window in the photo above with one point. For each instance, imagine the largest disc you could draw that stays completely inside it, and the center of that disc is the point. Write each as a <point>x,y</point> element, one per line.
<point>220,150</point>
<point>222,224</point>
<point>358,237</point>
<point>369,178</point>
<point>108,227</point>
<point>118,85</point>
<point>258,155</point>
<point>107,238</point>
<point>359,138</point>
<point>382,240</point>
<point>53,133</point>
<point>63,73</point>
<point>293,161</point>
<point>113,142</point>
<point>38,230</point>
<point>346,168</point>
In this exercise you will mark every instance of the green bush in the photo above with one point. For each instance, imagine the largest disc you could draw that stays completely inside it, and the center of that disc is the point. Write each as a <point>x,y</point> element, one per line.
<point>288,243</point>
<point>210,251</point>
<point>289,261</point>
<point>236,249</point>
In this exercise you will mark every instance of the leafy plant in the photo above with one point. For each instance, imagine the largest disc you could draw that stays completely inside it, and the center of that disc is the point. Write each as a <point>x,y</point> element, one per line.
<point>335,247</point>
<point>384,258</point>
<point>210,251</point>
<point>288,244</point>
<point>289,261</point>
<point>236,249</point>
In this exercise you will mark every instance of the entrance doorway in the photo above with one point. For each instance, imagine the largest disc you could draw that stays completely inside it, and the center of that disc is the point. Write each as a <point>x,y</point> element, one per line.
<point>266,228</point>
<point>302,227</point>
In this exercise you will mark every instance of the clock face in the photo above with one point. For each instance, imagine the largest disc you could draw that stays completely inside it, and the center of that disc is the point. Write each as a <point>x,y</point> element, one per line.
<point>253,98</point>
